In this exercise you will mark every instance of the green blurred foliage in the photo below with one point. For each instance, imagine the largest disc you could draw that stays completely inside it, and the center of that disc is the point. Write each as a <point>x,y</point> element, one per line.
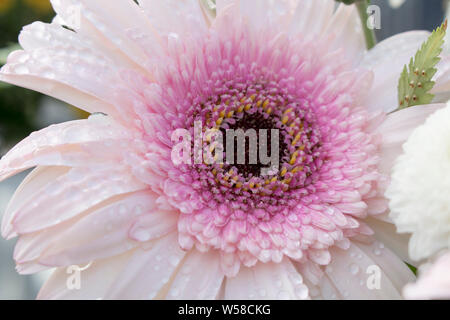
<point>18,106</point>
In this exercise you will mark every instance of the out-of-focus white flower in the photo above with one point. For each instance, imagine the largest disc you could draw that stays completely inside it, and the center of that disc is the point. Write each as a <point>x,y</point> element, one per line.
<point>420,187</point>
<point>396,3</point>
<point>434,281</point>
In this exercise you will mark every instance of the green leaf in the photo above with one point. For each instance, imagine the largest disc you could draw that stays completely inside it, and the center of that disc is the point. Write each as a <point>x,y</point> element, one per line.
<point>412,268</point>
<point>415,82</point>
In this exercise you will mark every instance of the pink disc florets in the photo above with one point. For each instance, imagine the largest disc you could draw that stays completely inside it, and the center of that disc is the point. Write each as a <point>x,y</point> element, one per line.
<point>327,155</point>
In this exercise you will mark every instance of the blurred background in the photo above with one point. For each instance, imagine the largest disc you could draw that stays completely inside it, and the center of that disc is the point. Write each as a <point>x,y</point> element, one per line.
<point>23,111</point>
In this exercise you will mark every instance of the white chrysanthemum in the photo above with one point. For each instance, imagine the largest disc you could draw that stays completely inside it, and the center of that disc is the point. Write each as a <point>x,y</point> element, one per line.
<point>420,187</point>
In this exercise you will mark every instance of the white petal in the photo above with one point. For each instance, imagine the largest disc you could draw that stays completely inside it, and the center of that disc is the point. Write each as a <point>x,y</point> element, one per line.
<point>94,283</point>
<point>312,17</point>
<point>394,268</point>
<point>433,282</point>
<point>272,281</point>
<point>37,178</point>
<point>345,25</point>
<point>199,278</point>
<point>262,13</point>
<point>397,128</point>
<point>57,62</point>
<point>74,143</point>
<point>175,16</point>
<point>70,195</point>
<point>102,233</point>
<point>386,233</point>
<point>149,271</point>
<point>356,275</point>
<point>113,25</point>
<point>222,4</point>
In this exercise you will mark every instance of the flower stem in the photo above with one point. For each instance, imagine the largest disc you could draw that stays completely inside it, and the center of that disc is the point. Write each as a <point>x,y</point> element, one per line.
<point>369,34</point>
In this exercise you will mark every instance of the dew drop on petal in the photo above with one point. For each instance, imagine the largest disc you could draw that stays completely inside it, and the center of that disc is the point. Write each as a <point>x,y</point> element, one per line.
<point>354,269</point>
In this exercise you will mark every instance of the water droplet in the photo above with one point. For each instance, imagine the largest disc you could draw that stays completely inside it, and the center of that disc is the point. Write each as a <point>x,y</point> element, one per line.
<point>174,292</point>
<point>174,260</point>
<point>122,209</point>
<point>354,269</point>
<point>302,292</point>
<point>283,295</point>
<point>138,210</point>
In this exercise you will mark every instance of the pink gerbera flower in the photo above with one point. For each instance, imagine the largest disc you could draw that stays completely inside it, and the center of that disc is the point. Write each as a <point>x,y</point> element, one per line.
<point>106,190</point>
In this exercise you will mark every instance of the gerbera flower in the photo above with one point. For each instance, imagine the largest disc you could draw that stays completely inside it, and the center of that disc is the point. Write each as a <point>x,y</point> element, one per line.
<point>106,190</point>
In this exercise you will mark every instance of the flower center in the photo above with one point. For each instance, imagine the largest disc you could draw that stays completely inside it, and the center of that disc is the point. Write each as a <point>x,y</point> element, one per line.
<point>254,144</point>
<point>270,146</point>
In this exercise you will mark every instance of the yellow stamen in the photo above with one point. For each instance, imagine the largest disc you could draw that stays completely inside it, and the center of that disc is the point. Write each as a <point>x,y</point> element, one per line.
<point>293,160</point>
<point>297,169</point>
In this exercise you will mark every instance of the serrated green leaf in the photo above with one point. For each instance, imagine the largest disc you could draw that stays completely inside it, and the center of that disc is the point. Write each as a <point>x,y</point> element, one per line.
<point>415,82</point>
